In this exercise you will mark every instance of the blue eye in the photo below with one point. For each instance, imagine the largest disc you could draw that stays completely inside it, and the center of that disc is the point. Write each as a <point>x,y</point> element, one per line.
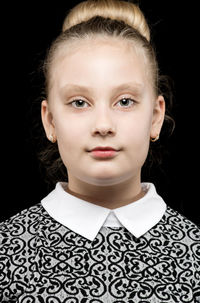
<point>123,101</point>
<point>78,102</point>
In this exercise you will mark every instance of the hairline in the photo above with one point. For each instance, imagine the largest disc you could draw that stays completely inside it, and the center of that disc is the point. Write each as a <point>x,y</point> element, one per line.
<point>74,45</point>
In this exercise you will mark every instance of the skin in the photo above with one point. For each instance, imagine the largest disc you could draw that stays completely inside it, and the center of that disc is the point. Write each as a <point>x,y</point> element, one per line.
<point>103,120</point>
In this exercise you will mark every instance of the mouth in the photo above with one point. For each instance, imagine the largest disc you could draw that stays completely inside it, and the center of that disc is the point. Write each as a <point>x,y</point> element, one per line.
<point>103,152</point>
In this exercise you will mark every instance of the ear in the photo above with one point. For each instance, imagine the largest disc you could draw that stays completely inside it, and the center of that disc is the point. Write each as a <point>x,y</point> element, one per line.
<point>158,116</point>
<point>47,119</point>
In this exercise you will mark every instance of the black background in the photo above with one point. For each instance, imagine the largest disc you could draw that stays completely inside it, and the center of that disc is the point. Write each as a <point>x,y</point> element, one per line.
<point>27,30</point>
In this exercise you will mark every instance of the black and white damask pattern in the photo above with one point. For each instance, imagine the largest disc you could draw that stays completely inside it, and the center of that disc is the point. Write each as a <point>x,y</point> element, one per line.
<point>42,261</point>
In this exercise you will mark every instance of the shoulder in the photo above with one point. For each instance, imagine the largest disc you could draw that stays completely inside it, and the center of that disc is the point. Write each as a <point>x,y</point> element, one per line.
<point>17,225</point>
<point>178,231</point>
<point>174,220</point>
<point>16,234</point>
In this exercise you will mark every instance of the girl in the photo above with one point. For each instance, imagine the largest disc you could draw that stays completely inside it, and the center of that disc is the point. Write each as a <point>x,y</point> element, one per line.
<point>102,236</point>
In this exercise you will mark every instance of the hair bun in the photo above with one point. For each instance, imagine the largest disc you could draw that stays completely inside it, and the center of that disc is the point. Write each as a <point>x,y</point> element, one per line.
<point>128,12</point>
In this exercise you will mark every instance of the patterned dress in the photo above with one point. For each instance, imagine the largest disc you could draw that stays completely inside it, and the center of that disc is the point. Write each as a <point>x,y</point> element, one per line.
<point>43,261</point>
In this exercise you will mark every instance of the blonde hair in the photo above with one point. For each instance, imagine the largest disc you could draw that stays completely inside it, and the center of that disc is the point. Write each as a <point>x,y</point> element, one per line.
<point>119,10</point>
<point>104,18</point>
<point>107,18</point>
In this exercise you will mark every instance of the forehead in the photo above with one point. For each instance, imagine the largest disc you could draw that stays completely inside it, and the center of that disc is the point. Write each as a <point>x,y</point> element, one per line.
<point>90,44</point>
<point>98,61</point>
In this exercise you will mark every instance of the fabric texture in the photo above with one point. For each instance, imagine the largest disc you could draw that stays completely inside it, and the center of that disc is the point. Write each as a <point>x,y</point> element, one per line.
<point>79,215</point>
<point>42,260</point>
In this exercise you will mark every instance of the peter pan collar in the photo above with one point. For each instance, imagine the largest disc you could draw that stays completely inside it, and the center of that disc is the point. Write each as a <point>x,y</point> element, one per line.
<point>86,219</point>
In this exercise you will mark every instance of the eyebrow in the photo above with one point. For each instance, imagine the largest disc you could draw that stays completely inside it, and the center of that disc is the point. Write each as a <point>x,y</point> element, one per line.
<point>137,87</point>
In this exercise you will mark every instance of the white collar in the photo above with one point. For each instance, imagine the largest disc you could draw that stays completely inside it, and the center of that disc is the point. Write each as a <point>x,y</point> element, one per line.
<point>86,218</point>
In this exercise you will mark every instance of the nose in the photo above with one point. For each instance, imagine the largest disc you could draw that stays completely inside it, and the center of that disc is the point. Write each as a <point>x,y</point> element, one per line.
<point>103,125</point>
<point>103,131</point>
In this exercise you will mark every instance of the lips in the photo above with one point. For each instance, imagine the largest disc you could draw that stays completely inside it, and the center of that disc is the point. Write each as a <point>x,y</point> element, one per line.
<point>103,148</point>
<point>103,152</point>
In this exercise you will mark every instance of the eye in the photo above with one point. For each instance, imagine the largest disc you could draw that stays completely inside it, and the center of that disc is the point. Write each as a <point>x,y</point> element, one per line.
<point>126,102</point>
<point>78,103</point>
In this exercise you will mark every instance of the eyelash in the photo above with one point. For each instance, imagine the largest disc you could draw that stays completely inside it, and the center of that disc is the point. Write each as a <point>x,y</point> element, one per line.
<point>117,102</point>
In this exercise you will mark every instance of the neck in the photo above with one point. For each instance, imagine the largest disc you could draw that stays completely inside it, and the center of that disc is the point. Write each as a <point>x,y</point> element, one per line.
<point>110,197</point>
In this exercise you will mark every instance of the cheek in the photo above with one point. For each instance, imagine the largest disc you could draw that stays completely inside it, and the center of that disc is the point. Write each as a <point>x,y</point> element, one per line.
<point>137,129</point>
<point>69,134</point>
<point>137,138</point>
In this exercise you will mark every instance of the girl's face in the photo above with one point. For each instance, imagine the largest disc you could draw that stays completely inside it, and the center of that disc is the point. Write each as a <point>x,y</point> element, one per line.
<point>102,95</point>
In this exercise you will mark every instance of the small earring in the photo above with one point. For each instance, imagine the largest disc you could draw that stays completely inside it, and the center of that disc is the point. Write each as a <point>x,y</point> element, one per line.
<point>51,138</point>
<point>154,139</point>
